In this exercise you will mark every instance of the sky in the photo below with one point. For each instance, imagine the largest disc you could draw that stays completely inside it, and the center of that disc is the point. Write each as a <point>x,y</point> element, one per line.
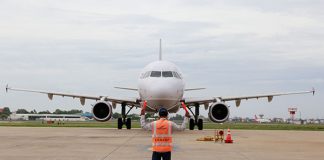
<point>232,48</point>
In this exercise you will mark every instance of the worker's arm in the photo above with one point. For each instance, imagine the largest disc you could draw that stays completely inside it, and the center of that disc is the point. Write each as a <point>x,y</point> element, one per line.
<point>181,127</point>
<point>144,125</point>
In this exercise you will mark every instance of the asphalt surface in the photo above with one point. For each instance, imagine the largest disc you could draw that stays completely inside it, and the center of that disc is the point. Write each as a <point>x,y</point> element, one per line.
<point>23,143</point>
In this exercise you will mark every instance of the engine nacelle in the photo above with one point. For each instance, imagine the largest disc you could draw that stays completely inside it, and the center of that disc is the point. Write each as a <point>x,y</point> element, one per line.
<point>218,112</point>
<point>102,111</point>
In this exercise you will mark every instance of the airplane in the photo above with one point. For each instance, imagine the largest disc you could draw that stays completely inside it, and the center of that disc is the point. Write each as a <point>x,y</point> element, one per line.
<point>261,120</point>
<point>161,84</point>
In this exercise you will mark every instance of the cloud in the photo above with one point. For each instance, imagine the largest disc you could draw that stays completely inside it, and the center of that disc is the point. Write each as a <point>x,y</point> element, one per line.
<point>230,47</point>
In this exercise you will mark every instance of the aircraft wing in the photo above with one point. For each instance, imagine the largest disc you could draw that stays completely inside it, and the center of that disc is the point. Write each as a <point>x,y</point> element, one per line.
<point>237,99</point>
<point>193,89</point>
<point>81,97</point>
<point>127,88</point>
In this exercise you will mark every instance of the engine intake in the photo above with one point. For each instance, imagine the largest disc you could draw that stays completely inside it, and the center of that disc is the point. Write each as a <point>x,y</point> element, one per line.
<point>218,112</point>
<point>102,111</point>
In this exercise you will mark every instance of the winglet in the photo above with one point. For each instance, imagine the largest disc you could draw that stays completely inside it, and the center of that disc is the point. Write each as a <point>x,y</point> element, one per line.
<point>160,53</point>
<point>7,88</point>
<point>313,90</point>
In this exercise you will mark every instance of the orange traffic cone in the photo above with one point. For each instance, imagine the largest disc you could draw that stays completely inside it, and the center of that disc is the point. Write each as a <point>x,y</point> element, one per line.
<point>228,137</point>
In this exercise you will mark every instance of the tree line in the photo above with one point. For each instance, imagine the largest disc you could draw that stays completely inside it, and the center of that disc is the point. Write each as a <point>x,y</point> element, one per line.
<point>57,111</point>
<point>5,113</point>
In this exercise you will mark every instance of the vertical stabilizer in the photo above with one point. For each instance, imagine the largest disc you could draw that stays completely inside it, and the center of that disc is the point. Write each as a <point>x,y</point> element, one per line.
<point>160,53</point>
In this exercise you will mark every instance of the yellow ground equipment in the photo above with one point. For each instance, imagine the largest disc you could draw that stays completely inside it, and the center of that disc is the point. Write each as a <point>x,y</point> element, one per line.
<point>218,136</point>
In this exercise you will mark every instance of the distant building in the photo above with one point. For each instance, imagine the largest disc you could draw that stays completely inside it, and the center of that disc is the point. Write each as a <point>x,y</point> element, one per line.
<point>235,119</point>
<point>48,117</point>
<point>278,120</point>
<point>1,110</point>
<point>315,121</point>
<point>296,121</point>
<point>247,119</point>
<point>87,114</point>
<point>321,121</point>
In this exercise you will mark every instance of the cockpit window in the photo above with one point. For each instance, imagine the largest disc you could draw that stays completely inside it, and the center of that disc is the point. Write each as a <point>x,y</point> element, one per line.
<point>145,75</point>
<point>156,74</point>
<point>167,74</point>
<point>176,74</point>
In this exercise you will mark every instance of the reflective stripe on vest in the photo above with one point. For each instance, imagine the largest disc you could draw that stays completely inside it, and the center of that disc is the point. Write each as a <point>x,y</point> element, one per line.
<point>161,135</point>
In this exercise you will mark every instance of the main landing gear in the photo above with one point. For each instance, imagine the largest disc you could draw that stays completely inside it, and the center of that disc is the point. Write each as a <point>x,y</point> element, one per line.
<point>124,120</point>
<point>196,121</point>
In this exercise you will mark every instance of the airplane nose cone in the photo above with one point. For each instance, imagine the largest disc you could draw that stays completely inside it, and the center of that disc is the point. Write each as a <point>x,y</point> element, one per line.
<point>161,92</point>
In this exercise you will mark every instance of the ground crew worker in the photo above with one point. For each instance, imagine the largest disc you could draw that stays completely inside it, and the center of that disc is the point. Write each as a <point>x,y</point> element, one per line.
<point>162,133</point>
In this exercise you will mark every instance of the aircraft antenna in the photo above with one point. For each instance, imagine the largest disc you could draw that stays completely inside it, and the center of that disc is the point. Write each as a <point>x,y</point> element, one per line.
<point>160,54</point>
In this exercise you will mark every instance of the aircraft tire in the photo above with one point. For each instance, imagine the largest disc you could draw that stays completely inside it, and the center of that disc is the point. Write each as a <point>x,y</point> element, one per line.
<point>120,123</point>
<point>191,124</point>
<point>128,123</point>
<point>200,124</point>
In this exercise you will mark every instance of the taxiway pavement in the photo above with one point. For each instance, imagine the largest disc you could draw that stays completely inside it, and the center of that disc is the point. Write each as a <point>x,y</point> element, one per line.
<point>23,143</point>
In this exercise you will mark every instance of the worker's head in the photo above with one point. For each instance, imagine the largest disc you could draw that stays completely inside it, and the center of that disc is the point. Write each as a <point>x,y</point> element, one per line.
<point>163,113</point>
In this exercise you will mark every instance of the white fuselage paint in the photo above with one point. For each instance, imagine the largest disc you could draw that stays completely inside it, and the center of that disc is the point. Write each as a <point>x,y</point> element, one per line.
<point>261,120</point>
<point>161,91</point>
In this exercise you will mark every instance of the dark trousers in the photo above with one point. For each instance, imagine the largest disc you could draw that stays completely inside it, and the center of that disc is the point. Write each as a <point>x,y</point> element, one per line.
<point>163,155</point>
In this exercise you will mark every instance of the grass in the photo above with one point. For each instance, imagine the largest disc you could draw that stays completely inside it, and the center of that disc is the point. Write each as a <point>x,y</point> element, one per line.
<point>268,126</point>
<point>135,124</point>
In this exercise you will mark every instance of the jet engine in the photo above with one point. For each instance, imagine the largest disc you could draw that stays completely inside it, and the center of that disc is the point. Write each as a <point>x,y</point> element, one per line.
<point>102,111</point>
<point>218,112</point>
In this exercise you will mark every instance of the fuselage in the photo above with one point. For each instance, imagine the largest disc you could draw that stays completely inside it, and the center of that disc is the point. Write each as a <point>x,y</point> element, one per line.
<point>261,120</point>
<point>161,85</point>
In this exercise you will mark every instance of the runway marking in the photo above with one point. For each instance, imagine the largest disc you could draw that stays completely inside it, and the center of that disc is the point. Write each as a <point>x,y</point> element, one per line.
<point>127,140</point>
<point>243,155</point>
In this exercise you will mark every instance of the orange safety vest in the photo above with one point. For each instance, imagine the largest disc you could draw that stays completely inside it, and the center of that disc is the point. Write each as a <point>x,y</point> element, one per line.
<point>161,136</point>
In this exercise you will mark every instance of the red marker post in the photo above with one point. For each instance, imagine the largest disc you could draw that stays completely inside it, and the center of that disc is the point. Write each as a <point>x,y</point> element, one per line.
<point>144,105</point>
<point>143,108</point>
<point>184,107</point>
